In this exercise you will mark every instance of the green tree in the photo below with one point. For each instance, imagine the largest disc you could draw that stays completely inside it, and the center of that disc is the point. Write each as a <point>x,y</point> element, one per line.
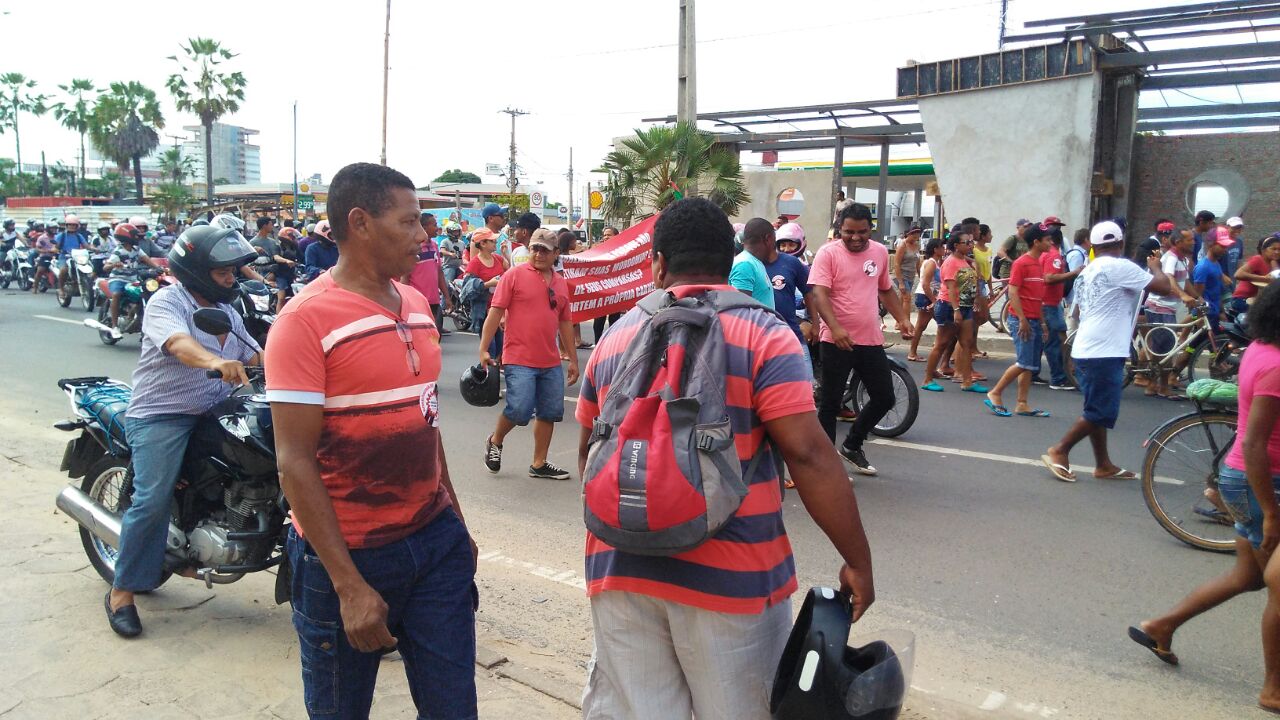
<point>457,176</point>
<point>19,98</point>
<point>176,166</point>
<point>644,169</point>
<point>170,197</point>
<point>203,87</point>
<point>74,111</point>
<point>106,186</point>
<point>124,126</point>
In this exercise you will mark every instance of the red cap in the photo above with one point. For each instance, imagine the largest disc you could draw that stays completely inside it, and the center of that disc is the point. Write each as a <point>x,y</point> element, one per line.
<point>1164,227</point>
<point>1224,238</point>
<point>1052,220</point>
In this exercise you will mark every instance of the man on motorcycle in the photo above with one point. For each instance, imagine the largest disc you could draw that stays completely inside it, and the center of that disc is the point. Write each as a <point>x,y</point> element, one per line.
<point>123,265</point>
<point>100,247</point>
<point>170,393</point>
<point>43,252</point>
<point>9,237</point>
<point>323,253</point>
<point>451,250</point>
<point>69,239</point>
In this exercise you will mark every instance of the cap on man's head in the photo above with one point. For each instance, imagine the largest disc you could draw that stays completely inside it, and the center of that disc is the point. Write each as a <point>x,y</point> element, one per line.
<point>544,237</point>
<point>1106,233</point>
<point>1235,222</point>
<point>1224,238</point>
<point>1021,222</point>
<point>492,209</point>
<point>1165,227</point>
<point>528,221</point>
<point>1052,220</point>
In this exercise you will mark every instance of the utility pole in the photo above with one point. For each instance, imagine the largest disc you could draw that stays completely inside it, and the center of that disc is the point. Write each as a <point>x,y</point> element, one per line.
<point>295,157</point>
<point>570,218</point>
<point>386,65</point>
<point>687,78</point>
<point>1004,14</point>
<point>512,181</point>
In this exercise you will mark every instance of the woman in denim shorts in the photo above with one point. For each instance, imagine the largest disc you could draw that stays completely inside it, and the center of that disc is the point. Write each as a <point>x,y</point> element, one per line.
<point>1248,479</point>
<point>928,282</point>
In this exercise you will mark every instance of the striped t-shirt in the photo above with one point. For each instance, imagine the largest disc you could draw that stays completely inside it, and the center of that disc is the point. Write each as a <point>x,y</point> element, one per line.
<point>375,374</point>
<point>747,566</point>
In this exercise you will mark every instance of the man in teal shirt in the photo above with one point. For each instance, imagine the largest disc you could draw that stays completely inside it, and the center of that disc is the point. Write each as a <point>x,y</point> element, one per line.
<point>748,273</point>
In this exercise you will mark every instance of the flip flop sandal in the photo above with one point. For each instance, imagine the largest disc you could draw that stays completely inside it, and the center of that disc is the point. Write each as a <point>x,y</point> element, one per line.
<point>981,354</point>
<point>1121,474</point>
<point>978,376</point>
<point>933,387</point>
<point>1060,471</point>
<point>1035,412</point>
<point>975,388</point>
<point>915,358</point>
<point>1139,636</point>
<point>947,373</point>
<point>995,409</point>
<point>789,484</point>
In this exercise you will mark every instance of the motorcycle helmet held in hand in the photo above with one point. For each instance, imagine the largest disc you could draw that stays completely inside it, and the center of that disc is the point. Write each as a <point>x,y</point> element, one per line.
<point>480,385</point>
<point>821,678</point>
<point>202,249</point>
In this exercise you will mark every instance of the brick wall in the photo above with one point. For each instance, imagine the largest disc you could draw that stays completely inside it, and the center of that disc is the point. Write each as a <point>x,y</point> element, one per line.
<point>1163,168</point>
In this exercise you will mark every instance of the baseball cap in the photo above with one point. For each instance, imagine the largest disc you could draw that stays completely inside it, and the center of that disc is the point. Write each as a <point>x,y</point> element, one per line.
<point>492,209</point>
<point>543,237</point>
<point>1105,233</point>
<point>915,230</point>
<point>528,221</point>
<point>1224,238</point>
<point>1021,222</point>
<point>1052,220</point>
<point>482,234</point>
<point>1235,222</point>
<point>1165,227</point>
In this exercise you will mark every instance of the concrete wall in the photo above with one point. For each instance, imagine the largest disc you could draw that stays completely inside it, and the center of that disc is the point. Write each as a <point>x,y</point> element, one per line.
<point>815,185</point>
<point>1015,151</point>
<point>1164,168</point>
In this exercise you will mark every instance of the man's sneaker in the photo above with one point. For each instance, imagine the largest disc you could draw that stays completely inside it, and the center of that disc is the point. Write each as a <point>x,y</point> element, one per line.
<point>116,334</point>
<point>549,472</point>
<point>1037,380</point>
<point>1061,387</point>
<point>859,460</point>
<point>492,455</point>
<point>847,415</point>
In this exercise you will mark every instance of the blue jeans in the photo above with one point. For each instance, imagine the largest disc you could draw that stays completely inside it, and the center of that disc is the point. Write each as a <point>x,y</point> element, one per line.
<point>1029,350</point>
<point>1056,324</point>
<point>534,392</point>
<point>426,580</point>
<point>479,311</point>
<point>1238,496</point>
<point>158,444</point>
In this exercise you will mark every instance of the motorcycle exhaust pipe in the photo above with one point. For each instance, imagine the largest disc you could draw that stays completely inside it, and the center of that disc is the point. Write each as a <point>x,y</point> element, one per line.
<point>105,524</point>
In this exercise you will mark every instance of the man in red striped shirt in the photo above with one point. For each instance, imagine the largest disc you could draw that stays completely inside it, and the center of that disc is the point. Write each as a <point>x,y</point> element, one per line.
<point>700,633</point>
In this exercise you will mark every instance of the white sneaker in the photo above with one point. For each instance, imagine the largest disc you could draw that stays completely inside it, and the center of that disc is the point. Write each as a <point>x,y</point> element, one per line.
<point>116,334</point>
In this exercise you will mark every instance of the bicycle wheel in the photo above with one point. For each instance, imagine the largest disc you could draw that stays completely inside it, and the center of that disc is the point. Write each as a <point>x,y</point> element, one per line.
<point>1000,313</point>
<point>1180,478</point>
<point>906,403</point>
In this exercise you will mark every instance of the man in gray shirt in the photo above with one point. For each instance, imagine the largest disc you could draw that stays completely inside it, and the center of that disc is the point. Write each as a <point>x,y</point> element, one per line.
<point>170,394</point>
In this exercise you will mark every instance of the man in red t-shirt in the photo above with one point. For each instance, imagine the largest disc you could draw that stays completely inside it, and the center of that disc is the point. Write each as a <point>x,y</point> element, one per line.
<point>1054,268</point>
<point>378,544</point>
<point>1026,296</point>
<point>534,300</point>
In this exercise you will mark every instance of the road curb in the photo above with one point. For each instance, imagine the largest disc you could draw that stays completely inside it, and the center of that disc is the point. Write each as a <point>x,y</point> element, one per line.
<point>551,687</point>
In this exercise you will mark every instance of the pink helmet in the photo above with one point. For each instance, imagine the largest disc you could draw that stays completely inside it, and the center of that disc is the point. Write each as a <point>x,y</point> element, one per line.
<point>322,229</point>
<point>71,219</point>
<point>791,232</point>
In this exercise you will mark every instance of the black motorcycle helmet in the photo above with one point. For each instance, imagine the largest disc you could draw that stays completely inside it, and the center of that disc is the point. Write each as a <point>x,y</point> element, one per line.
<point>821,678</point>
<point>200,250</point>
<point>479,386</point>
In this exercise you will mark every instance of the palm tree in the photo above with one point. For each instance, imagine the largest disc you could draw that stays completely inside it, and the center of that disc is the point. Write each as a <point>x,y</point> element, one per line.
<point>651,169</point>
<point>170,197</point>
<point>176,166</point>
<point>124,126</point>
<point>19,98</point>
<point>74,112</point>
<point>203,88</point>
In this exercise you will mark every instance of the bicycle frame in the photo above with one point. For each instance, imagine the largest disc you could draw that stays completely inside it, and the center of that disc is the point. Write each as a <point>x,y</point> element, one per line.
<point>1201,327</point>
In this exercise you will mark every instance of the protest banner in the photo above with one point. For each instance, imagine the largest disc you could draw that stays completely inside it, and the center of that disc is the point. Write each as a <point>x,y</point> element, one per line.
<point>612,276</point>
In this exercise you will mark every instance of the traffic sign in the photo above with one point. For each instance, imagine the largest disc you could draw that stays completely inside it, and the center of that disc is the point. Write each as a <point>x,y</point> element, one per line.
<point>492,169</point>
<point>562,211</point>
<point>536,200</point>
<point>597,199</point>
<point>306,202</point>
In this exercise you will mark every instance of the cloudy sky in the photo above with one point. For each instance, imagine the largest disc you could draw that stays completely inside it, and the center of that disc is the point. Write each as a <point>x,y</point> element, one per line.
<point>586,70</point>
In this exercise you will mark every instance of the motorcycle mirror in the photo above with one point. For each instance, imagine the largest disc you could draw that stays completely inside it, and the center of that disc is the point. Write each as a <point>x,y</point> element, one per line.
<point>262,260</point>
<point>212,321</point>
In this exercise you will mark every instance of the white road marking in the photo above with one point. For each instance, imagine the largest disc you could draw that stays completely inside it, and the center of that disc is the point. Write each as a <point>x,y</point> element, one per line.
<point>61,320</point>
<point>564,577</point>
<point>994,701</point>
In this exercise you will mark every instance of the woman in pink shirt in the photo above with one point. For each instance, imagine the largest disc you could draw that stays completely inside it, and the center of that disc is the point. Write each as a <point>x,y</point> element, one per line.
<point>1247,482</point>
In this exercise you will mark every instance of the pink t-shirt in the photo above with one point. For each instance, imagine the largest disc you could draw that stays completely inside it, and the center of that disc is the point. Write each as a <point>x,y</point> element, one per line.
<point>854,282</point>
<point>1259,375</point>
<point>425,277</point>
<point>532,323</point>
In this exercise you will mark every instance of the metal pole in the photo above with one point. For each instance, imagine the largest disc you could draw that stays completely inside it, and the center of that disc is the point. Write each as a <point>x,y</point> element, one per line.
<point>687,76</point>
<point>588,211</point>
<point>295,158</point>
<point>1004,14</point>
<point>882,201</point>
<point>837,175</point>
<point>512,181</point>
<point>386,65</point>
<point>570,217</point>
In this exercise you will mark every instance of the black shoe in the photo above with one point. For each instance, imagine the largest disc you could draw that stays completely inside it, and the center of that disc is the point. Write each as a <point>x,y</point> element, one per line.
<point>548,472</point>
<point>492,455</point>
<point>125,621</point>
<point>1037,380</point>
<point>858,459</point>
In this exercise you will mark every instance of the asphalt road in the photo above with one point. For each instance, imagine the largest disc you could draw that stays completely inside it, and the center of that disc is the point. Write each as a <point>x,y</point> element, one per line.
<point>1018,587</point>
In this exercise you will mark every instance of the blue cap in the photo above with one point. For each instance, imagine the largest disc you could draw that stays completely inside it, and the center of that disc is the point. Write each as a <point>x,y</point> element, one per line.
<point>492,209</point>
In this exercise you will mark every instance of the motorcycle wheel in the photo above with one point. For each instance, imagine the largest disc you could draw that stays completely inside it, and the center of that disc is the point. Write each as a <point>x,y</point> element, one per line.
<point>43,284</point>
<point>906,403</point>
<point>104,317</point>
<point>110,482</point>
<point>64,293</point>
<point>6,277</point>
<point>87,295</point>
<point>24,281</point>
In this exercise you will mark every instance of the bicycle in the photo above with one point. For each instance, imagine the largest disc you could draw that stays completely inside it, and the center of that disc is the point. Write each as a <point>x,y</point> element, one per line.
<point>1180,476</point>
<point>1199,338</point>
<point>998,304</point>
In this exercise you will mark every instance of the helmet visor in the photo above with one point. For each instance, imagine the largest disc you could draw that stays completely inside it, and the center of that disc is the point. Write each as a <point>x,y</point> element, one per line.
<point>231,250</point>
<point>884,661</point>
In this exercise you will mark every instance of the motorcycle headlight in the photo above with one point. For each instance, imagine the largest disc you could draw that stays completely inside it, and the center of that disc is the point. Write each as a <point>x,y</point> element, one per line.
<point>152,285</point>
<point>261,303</point>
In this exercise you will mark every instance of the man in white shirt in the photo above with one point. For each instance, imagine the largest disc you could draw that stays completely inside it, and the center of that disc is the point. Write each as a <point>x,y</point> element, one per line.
<point>1107,292</point>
